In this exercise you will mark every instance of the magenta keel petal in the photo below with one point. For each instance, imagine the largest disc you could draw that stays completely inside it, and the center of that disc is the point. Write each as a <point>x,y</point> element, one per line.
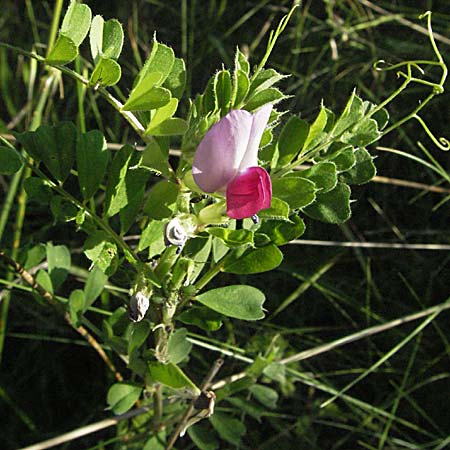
<point>249,193</point>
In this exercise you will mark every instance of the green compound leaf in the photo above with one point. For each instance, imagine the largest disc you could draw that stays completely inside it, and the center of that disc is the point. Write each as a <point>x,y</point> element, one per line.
<point>106,38</point>
<point>76,22</point>
<point>162,114</point>
<point>138,335</point>
<point>54,146</point>
<point>92,159</point>
<point>364,133</point>
<point>176,80</point>
<point>156,156</point>
<point>147,95</point>
<point>76,303</point>
<point>238,301</point>
<point>38,190</point>
<point>170,127</point>
<point>34,256</point>
<point>202,437</point>
<point>265,79</point>
<point>331,207</point>
<point>10,161</point>
<point>229,429</point>
<point>363,170</point>
<point>171,375</point>
<point>209,98</point>
<point>241,86</point>
<point>352,114</point>
<point>125,187</point>
<point>279,210</point>
<point>95,283</point>
<point>121,397</point>
<point>241,62</point>
<point>102,252</point>
<point>153,238</point>
<point>381,116</point>
<point>64,51</point>
<point>161,60</point>
<point>292,138</point>
<point>323,175</point>
<point>271,95</point>
<point>297,192</point>
<point>232,238</point>
<point>162,199</point>
<point>178,347</point>
<point>261,259</point>
<point>344,159</point>
<point>198,249</point>
<point>282,232</point>
<point>265,395</point>
<point>204,318</point>
<point>156,442</point>
<point>316,130</point>
<point>74,29</point>
<point>58,259</point>
<point>106,73</point>
<point>223,89</point>
<point>135,182</point>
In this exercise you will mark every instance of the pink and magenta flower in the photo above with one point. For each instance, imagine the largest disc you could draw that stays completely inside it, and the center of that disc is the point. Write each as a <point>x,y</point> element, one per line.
<point>226,161</point>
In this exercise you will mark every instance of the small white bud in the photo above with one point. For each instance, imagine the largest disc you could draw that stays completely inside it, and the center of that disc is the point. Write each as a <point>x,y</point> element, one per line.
<point>180,229</point>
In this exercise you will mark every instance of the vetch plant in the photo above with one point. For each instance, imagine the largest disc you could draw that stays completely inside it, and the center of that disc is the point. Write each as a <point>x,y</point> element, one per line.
<point>237,192</point>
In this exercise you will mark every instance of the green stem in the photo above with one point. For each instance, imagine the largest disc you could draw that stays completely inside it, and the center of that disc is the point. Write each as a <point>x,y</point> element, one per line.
<point>158,405</point>
<point>274,35</point>
<point>80,97</point>
<point>55,24</point>
<point>129,253</point>
<point>407,117</point>
<point>127,115</point>
<point>21,208</point>
<point>212,272</point>
<point>9,201</point>
<point>32,19</point>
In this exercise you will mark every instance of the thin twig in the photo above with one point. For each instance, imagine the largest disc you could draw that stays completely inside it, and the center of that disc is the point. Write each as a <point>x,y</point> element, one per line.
<point>182,424</point>
<point>30,280</point>
<point>410,184</point>
<point>363,334</point>
<point>88,429</point>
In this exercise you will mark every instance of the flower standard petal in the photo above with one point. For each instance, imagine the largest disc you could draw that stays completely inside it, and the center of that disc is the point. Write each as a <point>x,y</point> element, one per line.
<point>248,193</point>
<point>260,119</point>
<point>219,154</point>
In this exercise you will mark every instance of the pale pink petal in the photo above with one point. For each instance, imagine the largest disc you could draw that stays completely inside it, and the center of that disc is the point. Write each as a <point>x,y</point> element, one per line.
<point>219,154</point>
<point>248,193</point>
<point>260,119</point>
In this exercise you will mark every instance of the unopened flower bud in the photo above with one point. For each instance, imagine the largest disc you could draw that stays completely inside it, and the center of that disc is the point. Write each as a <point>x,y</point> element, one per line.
<point>139,304</point>
<point>180,229</point>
